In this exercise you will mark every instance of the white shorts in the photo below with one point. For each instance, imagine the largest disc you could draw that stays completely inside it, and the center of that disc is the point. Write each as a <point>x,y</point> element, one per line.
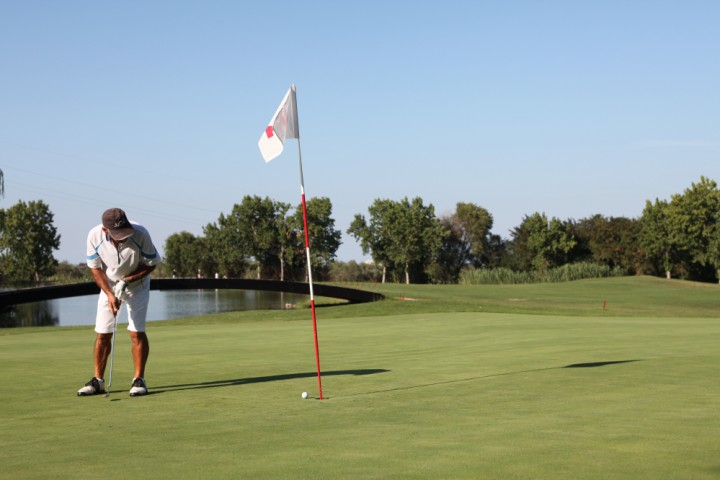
<point>137,305</point>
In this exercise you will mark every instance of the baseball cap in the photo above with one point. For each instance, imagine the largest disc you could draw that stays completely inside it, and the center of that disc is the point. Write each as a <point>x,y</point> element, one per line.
<point>115,220</point>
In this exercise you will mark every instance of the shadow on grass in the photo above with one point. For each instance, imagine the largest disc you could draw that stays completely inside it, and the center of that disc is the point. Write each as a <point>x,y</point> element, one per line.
<point>574,365</point>
<point>598,364</point>
<point>269,378</point>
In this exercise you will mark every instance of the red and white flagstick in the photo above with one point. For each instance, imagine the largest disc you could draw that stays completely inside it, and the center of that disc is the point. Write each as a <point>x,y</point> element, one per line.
<point>309,269</point>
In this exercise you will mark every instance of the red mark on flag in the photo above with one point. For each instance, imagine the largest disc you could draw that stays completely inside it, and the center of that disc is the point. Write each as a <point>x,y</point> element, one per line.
<point>269,131</point>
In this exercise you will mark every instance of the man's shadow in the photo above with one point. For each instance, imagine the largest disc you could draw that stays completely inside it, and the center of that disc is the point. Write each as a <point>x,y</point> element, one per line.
<point>264,379</point>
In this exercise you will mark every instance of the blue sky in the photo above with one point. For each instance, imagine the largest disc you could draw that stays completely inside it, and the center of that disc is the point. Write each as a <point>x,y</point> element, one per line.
<point>569,108</point>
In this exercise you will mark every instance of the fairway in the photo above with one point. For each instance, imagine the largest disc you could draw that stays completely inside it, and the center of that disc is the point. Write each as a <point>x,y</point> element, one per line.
<point>454,394</point>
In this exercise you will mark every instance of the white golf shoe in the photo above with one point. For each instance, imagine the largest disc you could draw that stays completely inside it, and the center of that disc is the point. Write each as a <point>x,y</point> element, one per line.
<point>94,387</point>
<point>139,387</point>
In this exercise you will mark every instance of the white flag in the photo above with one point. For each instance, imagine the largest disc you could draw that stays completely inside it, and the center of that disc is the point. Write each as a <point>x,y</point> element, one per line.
<point>284,124</point>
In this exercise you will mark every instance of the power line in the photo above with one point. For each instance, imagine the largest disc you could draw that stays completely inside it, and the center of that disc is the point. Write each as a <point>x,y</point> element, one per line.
<point>121,192</point>
<point>93,201</point>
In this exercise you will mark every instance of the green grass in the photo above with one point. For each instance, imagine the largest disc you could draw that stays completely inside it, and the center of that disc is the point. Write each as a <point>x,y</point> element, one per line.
<point>511,382</point>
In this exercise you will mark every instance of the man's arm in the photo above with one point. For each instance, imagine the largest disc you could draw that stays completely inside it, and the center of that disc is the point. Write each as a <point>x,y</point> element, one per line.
<point>101,280</point>
<point>140,272</point>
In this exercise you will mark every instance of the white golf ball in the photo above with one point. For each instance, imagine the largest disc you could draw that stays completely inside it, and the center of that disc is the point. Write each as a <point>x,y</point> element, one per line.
<point>304,395</point>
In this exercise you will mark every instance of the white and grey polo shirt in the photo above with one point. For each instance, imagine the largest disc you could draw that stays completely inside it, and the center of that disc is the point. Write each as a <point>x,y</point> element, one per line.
<point>126,258</point>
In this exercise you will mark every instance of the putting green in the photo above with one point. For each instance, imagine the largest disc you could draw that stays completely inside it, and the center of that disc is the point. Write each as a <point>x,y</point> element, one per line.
<point>409,395</point>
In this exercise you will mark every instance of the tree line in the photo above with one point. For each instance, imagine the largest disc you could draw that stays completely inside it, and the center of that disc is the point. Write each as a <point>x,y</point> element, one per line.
<point>407,241</point>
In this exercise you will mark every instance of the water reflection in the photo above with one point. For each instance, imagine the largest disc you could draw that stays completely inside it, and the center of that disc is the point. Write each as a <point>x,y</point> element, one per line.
<point>164,305</point>
<point>38,314</point>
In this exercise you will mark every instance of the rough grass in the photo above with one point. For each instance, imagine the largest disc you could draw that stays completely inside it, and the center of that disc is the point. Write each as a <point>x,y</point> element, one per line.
<point>455,383</point>
<point>565,273</point>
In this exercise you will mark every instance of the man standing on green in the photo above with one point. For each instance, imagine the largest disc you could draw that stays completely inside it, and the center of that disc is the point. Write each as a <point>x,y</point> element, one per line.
<point>121,257</point>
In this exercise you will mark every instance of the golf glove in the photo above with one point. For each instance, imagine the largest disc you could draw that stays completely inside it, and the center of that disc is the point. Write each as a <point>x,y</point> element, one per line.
<point>120,290</point>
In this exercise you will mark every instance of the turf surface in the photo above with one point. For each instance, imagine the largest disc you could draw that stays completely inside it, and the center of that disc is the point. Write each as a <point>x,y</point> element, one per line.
<point>435,382</point>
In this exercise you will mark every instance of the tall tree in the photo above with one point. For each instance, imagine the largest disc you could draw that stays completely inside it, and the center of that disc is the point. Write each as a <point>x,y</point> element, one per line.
<point>186,254</point>
<point>454,254</point>
<point>540,244</point>
<point>374,234</point>
<point>259,230</point>
<point>324,238</point>
<point>475,224</point>
<point>286,245</point>
<point>612,241</point>
<point>694,222</point>
<point>497,251</point>
<point>225,248</point>
<point>714,247</point>
<point>655,236</point>
<point>405,233</point>
<point>683,234</point>
<point>467,242</point>
<point>252,226</point>
<point>27,240</point>
<point>417,235</point>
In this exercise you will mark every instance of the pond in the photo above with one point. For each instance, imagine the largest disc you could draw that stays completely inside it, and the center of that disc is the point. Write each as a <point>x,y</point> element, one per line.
<point>164,305</point>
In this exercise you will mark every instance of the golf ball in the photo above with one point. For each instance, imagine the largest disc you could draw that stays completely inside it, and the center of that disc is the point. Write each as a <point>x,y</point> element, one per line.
<point>304,395</point>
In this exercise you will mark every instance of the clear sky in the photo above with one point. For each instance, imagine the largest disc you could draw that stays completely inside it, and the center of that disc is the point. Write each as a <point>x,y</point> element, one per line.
<point>570,108</point>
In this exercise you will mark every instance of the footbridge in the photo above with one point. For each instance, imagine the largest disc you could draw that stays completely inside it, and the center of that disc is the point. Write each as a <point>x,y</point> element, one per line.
<point>36,294</point>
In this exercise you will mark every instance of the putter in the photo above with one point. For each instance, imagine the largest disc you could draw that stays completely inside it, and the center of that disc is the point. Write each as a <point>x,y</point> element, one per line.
<point>112,356</point>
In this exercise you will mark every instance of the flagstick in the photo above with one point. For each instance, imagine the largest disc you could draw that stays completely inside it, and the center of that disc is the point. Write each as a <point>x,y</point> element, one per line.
<point>309,269</point>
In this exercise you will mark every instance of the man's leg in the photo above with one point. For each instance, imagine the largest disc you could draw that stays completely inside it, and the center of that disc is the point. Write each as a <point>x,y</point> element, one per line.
<point>140,351</point>
<point>137,304</point>
<point>104,322</point>
<point>103,344</point>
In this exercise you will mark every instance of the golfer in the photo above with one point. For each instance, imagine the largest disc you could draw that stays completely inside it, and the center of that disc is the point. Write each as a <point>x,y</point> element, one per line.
<point>121,257</point>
